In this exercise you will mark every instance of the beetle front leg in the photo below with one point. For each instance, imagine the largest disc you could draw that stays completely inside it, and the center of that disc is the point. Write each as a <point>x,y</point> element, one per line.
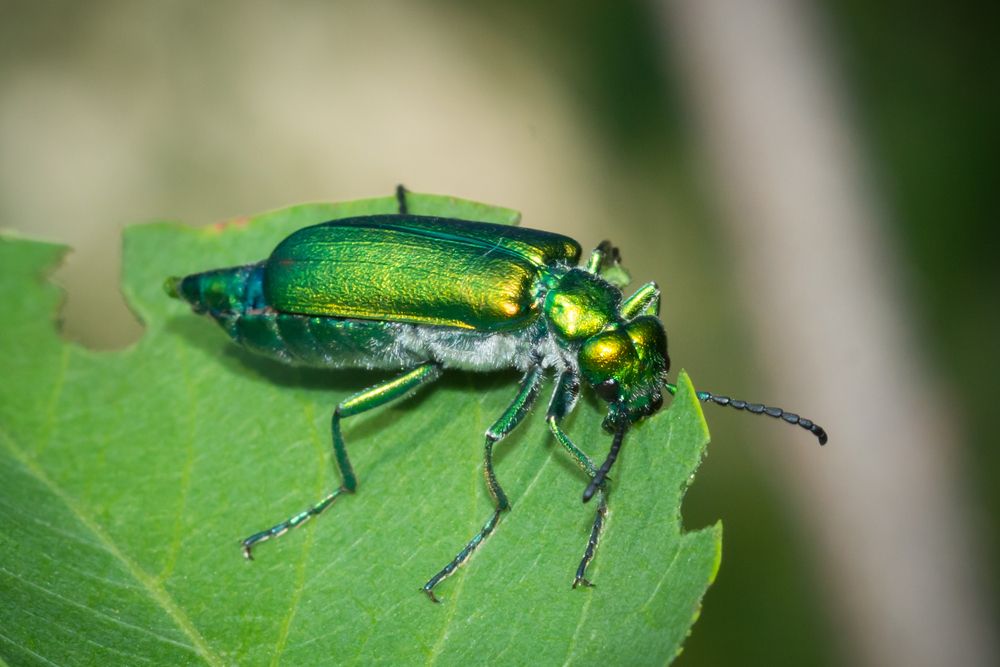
<point>602,503</point>
<point>512,416</point>
<point>563,400</point>
<point>645,301</point>
<point>380,394</point>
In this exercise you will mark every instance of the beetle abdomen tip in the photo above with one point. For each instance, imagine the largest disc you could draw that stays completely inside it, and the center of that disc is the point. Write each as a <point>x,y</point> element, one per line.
<point>172,286</point>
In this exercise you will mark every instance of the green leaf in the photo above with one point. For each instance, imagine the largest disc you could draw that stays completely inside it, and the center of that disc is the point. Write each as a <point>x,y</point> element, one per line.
<point>128,478</point>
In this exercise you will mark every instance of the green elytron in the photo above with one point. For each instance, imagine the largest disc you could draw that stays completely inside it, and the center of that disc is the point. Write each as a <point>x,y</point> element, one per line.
<point>420,294</point>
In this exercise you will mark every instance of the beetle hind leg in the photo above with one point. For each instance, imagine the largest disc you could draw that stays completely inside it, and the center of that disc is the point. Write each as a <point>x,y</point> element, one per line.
<point>605,261</point>
<point>401,193</point>
<point>507,422</point>
<point>380,394</point>
<point>604,255</point>
<point>280,529</point>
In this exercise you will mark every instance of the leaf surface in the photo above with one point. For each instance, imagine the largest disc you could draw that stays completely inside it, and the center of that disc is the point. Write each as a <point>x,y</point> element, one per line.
<point>128,478</point>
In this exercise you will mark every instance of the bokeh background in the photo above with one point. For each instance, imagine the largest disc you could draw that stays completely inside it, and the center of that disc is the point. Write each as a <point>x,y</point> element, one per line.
<point>813,184</point>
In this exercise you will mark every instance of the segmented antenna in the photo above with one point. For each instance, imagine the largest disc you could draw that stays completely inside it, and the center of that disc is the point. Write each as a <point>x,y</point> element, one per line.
<point>598,479</point>
<point>759,409</point>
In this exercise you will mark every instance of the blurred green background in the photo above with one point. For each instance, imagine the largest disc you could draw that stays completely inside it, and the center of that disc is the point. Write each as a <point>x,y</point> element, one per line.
<point>578,114</point>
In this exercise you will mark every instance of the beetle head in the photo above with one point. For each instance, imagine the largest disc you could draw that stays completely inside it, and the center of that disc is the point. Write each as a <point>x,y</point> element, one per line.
<point>627,367</point>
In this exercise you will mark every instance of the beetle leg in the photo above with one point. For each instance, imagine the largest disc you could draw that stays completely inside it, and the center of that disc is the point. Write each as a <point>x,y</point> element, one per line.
<point>605,261</point>
<point>588,466</point>
<point>603,255</point>
<point>508,421</point>
<point>563,399</point>
<point>401,198</point>
<point>380,394</point>
<point>645,301</point>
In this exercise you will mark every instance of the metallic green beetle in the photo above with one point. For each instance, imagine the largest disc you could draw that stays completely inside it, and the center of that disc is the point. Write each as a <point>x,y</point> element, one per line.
<point>420,294</point>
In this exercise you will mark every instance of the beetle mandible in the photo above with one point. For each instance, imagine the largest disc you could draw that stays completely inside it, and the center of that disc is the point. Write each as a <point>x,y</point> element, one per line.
<point>419,294</point>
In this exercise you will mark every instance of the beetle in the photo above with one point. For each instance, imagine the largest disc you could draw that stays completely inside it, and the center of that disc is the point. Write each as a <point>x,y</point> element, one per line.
<point>420,294</point>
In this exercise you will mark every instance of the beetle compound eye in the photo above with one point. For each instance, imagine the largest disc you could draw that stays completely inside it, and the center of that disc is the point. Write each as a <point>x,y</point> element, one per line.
<point>608,390</point>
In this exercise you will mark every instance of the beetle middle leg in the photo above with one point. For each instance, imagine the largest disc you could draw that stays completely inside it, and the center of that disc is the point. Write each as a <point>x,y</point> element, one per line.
<point>380,394</point>
<point>508,421</point>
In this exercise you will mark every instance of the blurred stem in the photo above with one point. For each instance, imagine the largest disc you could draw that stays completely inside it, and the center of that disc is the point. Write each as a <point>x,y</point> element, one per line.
<point>883,502</point>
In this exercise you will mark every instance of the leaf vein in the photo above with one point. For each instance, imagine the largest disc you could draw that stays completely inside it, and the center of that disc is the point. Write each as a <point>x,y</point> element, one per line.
<point>186,471</point>
<point>10,641</point>
<point>57,389</point>
<point>96,612</point>
<point>438,647</point>
<point>153,587</point>
<point>300,574</point>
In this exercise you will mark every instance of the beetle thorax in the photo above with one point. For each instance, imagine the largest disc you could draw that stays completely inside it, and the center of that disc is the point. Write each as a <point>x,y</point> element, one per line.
<point>580,306</point>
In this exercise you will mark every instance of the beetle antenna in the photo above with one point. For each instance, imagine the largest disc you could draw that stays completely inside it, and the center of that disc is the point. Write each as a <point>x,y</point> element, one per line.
<point>602,473</point>
<point>759,409</point>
